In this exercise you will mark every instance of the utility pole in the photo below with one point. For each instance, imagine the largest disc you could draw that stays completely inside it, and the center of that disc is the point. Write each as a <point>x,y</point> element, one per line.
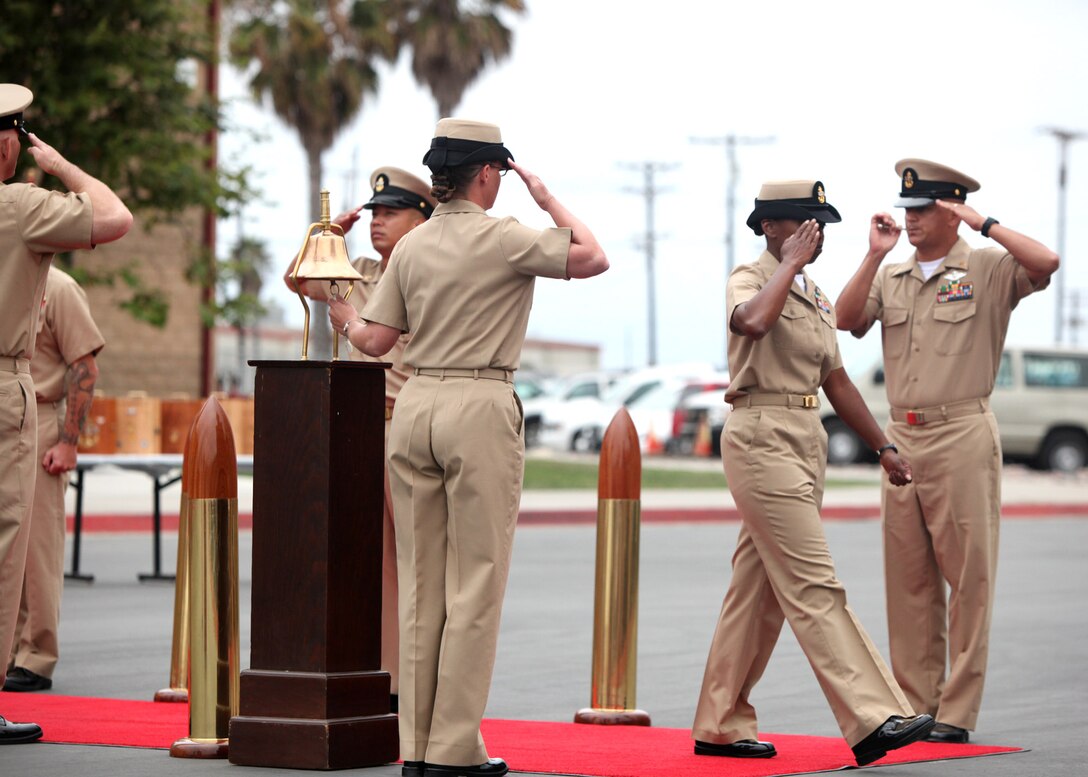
<point>730,143</point>
<point>1064,137</point>
<point>649,192</point>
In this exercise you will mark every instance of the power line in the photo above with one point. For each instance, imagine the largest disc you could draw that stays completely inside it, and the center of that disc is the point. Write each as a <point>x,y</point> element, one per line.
<point>1064,137</point>
<point>649,192</point>
<point>729,143</point>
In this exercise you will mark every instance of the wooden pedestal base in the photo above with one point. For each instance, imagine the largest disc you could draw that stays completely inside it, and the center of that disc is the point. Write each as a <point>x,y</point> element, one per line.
<point>342,743</point>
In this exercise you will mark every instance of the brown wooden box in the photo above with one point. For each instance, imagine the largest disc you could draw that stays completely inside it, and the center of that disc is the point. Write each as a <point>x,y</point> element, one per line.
<point>139,428</point>
<point>99,433</point>
<point>177,419</point>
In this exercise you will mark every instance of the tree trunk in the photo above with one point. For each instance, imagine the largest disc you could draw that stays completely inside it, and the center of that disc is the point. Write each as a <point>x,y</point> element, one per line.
<point>320,348</point>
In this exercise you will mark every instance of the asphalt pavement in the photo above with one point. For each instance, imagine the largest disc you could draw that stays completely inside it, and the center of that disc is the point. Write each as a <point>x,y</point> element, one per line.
<point>116,631</point>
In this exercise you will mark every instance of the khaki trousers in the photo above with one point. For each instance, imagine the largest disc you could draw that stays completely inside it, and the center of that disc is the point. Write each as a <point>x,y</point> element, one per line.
<point>36,645</point>
<point>774,460</point>
<point>18,467</point>
<point>390,640</point>
<point>456,462</point>
<point>943,528</point>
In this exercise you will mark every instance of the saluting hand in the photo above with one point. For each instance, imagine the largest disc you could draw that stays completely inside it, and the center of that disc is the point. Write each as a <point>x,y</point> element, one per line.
<point>347,219</point>
<point>536,187</point>
<point>46,157</point>
<point>897,467</point>
<point>966,213</point>
<point>799,248</point>
<point>883,233</point>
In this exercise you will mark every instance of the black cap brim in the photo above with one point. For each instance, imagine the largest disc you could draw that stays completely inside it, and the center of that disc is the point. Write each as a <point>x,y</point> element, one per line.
<point>401,199</point>
<point>914,202</point>
<point>825,214</point>
<point>454,152</point>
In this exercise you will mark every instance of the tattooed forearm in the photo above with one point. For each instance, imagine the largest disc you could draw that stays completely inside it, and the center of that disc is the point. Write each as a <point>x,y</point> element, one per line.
<point>82,375</point>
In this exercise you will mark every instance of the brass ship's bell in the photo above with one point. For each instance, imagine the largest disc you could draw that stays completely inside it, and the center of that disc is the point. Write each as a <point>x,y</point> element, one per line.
<point>323,259</point>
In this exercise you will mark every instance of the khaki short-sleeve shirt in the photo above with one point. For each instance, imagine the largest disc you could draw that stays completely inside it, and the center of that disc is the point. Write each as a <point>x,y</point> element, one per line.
<point>943,337</point>
<point>66,332</point>
<point>395,377</point>
<point>801,349</point>
<point>34,224</point>
<point>462,284</point>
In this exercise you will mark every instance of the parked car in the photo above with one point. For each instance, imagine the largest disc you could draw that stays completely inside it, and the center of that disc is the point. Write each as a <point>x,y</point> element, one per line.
<point>557,401</point>
<point>660,414</point>
<point>1039,400</point>
<point>529,386</point>
<point>579,425</point>
<point>704,409</point>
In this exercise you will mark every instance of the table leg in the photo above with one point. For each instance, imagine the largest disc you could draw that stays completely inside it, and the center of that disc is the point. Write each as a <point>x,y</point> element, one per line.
<point>77,530</point>
<point>156,531</point>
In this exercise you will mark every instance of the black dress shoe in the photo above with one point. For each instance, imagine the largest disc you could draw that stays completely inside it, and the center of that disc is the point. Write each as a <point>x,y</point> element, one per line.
<point>946,732</point>
<point>18,733</point>
<point>20,679</point>
<point>413,769</point>
<point>894,733</point>
<point>495,767</point>
<point>742,748</point>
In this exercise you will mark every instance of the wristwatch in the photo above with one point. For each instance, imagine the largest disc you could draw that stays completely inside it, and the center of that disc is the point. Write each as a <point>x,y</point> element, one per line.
<point>989,222</point>
<point>889,447</point>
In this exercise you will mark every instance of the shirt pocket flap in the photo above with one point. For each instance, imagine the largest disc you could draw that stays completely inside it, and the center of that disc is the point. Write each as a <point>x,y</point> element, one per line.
<point>895,316</point>
<point>793,312</point>
<point>953,313</point>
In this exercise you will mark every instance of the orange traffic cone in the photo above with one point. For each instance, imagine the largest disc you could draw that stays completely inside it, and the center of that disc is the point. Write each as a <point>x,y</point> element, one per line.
<point>702,439</point>
<point>653,443</point>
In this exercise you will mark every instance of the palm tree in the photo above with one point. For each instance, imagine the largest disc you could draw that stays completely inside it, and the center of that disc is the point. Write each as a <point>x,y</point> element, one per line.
<point>314,61</point>
<point>451,44</point>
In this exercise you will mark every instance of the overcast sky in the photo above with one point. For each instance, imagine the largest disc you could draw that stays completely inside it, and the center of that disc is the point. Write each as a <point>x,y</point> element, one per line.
<point>845,89</point>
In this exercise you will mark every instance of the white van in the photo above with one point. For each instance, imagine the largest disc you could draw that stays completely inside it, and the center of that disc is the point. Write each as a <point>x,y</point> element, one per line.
<point>1040,401</point>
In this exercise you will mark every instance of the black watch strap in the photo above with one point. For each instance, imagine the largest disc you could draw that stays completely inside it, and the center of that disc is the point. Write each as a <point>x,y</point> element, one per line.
<point>989,222</point>
<point>889,447</point>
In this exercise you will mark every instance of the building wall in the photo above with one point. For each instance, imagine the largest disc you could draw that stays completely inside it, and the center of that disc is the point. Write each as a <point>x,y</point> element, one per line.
<point>139,356</point>
<point>550,357</point>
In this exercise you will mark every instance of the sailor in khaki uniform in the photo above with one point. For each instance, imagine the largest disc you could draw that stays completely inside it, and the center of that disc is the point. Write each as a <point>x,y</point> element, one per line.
<point>64,372</point>
<point>399,203</point>
<point>34,224</point>
<point>945,312</point>
<point>462,286</point>
<point>782,349</point>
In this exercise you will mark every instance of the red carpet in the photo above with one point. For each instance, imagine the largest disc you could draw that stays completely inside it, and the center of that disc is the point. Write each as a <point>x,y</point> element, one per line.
<point>528,746</point>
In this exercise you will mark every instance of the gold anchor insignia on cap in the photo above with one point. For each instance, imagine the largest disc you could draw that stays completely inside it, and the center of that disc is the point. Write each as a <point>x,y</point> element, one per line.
<point>380,183</point>
<point>820,195</point>
<point>908,179</point>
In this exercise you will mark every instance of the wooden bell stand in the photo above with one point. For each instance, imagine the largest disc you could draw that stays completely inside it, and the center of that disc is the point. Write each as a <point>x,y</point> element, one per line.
<point>314,696</point>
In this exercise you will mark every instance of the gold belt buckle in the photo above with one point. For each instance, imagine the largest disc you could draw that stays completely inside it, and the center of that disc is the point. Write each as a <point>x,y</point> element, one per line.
<point>809,401</point>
